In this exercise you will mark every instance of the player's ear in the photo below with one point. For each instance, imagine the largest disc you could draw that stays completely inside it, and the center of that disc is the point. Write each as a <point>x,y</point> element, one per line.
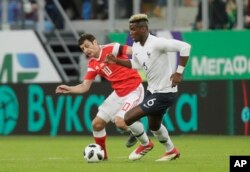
<point>95,42</point>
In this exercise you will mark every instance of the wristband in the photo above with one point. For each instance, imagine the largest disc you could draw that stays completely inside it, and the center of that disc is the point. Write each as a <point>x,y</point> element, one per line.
<point>180,69</point>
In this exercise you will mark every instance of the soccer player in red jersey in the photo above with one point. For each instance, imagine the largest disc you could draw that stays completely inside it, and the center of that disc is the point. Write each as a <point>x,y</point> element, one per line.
<point>128,90</point>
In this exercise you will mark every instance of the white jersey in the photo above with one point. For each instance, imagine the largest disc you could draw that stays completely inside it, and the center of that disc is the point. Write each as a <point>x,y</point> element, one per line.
<point>153,58</point>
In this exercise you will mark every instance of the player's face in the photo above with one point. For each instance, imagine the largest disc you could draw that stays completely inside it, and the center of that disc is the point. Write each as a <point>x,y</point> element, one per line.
<point>90,49</point>
<point>135,32</point>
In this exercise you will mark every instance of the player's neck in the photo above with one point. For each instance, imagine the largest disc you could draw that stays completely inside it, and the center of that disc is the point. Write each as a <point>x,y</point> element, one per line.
<point>98,53</point>
<point>144,39</point>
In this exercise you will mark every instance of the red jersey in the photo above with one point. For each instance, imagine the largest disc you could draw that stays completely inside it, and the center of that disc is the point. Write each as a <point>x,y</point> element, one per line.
<point>123,80</point>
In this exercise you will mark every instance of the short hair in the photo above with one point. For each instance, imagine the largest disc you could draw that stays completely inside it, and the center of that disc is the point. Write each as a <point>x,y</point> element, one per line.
<point>138,18</point>
<point>86,36</point>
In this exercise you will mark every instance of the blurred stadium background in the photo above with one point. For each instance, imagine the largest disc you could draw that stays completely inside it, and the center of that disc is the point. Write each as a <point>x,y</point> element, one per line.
<point>39,50</point>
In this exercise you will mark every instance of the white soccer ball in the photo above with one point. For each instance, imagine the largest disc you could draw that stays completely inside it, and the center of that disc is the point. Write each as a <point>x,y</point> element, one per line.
<point>93,153</point>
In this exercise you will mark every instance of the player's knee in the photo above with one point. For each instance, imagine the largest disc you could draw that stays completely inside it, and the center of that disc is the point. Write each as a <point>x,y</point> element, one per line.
<point>154,126</point>
<point>127,120</point>
<point>97,125</point>
<point>133,115</point>
<point>119,122</point>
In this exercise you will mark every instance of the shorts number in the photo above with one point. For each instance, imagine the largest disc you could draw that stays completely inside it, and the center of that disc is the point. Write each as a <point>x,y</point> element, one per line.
<point>150,103</point>
<point>126,106</point>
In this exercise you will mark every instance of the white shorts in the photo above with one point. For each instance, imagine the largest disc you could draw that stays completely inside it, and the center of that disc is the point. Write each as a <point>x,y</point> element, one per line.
<point>117,106</point>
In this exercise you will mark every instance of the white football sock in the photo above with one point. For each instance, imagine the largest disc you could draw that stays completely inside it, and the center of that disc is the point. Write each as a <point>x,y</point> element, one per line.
<point>138,131</point>
<point>163,137</point>
<point>101,133</point>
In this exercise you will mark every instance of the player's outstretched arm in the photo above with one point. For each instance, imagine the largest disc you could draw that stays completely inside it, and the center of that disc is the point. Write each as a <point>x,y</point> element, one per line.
<point>77,89</point>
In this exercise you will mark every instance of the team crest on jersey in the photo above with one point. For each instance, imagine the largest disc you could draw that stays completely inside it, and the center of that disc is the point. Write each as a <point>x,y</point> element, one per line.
<point>101,65</point>
<point>149,54</point>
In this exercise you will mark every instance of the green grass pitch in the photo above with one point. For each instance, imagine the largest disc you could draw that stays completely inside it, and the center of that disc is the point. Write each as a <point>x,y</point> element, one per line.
<point>64,154</point>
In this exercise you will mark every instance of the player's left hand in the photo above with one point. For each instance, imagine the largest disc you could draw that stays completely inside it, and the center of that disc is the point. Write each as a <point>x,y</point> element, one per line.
<point>176,78</point>
<point>63,89</point>
<point>110,58</point>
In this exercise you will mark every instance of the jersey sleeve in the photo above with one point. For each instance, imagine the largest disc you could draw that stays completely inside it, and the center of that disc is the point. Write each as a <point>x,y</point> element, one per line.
<point>123,49</point>
<point>120,51</point>
<point>115,50</point>
<point>173,45</point>
<point>134,61</point>
<point>91,72</point>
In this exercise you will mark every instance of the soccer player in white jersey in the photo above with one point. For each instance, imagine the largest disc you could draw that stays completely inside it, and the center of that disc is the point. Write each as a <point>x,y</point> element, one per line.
<point>128,90</point>
<point>151,54</point>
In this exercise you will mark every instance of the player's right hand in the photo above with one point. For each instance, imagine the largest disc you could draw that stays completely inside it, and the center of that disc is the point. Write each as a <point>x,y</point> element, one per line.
<point>176,78</point>
<point>63,89</point>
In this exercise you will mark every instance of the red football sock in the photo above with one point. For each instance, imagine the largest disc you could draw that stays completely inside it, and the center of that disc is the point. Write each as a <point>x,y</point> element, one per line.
<point>102,142</point>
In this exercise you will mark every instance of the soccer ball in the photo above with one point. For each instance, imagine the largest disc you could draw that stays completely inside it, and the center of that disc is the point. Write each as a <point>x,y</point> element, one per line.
<point>93,153</point>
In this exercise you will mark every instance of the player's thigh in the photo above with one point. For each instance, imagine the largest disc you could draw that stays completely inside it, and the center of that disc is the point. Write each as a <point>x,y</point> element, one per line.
<point>133,115</point>
<point>110,107</point>
<point>131,100</point>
